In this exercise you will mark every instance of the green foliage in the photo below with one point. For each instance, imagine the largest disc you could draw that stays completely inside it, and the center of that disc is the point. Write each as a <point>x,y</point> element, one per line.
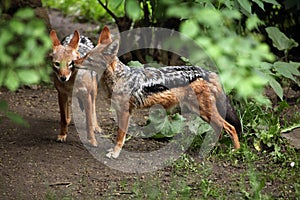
<point>257,183</point>
<point>262,129</point>
<point>133,9</point>
<point>163,125</point>
<point>88,10</point>
<point>23,48</point>
<point>236,51</point>
<point>135,64</point>
<point>280,69</point>
<point>280,40</point>
<point>154,189</point>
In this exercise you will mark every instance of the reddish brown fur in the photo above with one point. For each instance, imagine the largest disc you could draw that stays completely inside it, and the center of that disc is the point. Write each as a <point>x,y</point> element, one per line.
<point>206,94</point>
<point>86,87</point>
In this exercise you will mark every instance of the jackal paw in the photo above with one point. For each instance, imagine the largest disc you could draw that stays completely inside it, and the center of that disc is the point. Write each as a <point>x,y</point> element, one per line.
<point>113,152</point>
<point>93,142</point>
<point>97,129</point>
<point>61,138</point>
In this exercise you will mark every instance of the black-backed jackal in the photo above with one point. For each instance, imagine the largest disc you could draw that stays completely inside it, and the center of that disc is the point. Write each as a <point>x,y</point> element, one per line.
<point>136,88</point>
<point>63,56</point>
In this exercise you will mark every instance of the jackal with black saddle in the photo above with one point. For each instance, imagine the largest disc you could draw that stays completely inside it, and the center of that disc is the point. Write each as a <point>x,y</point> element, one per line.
<point>136,88</point>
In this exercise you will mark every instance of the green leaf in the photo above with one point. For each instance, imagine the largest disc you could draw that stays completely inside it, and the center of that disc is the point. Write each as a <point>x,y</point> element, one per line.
<point>206,3</point>
<point>176,124</point>
<point>163,125</point>
<point>16,119</point>
<point>265,66</point>
<point>133,9</point>
<point>256,144</point>
<point>28,76</point>
<point>274,2</point>
<point>231,14</point>
<point>276,87</point>
<point>253,22</point>
<point>287,70</point>
<point>178,11</point>
<point>295,68</point>
<point>198,126</point>
<point>115,3</point>
<point>229,4</point>
<point>214,19</point>
<point>135,64</point>
<point>246,5</point>
<point>25,13</point>
<point>6,36</point>
<point>17,26</point>
<point>279,39</point>
<point>189,28</point>
<point>11,81</point>
<point>260,4</point>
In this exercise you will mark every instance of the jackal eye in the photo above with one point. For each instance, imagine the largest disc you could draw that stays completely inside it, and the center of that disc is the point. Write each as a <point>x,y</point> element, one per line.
<point>71,64</point>
<point>56,64</point>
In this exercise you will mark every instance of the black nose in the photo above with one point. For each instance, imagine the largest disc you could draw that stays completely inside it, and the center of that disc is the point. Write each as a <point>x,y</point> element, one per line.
<point>63,78</point>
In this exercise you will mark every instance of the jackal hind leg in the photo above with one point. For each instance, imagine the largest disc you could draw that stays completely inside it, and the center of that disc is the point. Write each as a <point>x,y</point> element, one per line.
<point>218,123</point>
<point>207,109</point>
<point>88,107</point>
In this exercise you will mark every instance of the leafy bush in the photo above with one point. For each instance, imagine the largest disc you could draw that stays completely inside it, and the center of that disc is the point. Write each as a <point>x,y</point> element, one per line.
<point>280,69</point>
<point>23,48</point>
<point>88,10</point>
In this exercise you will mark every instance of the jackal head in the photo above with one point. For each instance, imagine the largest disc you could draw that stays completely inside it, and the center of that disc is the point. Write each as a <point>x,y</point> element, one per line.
<point>63,56</point>
<point>102,55</point>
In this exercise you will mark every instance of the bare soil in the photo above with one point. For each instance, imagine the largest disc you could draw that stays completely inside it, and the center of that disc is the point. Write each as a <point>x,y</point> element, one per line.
<point>34,166</point>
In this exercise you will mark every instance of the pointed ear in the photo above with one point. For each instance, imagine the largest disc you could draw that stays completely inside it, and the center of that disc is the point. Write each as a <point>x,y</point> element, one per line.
<point>105,37</point>
<point>54,38</point>
<point>75,40</point>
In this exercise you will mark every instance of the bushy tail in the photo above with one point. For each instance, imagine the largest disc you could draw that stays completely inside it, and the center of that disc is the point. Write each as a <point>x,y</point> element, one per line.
<point>226,109</point>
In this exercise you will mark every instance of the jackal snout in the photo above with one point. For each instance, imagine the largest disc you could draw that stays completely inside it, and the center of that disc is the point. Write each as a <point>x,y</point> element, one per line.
<point>62,70</point>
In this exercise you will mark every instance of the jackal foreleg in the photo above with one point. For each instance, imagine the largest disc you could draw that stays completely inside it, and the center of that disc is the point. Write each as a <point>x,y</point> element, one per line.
<point>65,117</point>
<point>86,97</point>
<point>123,115</point>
